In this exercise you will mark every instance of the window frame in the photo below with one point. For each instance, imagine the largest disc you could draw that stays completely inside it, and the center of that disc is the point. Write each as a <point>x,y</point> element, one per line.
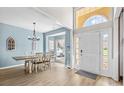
<point>101,17</point>
<point>10,44</point>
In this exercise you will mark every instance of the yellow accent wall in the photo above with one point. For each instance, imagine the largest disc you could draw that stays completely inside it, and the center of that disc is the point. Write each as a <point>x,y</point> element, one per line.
<point>83,14</point>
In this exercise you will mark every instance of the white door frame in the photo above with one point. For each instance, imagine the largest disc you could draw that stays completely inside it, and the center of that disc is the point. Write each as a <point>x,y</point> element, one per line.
<point>117,11</point>
<point>123,47</point>
<point>97,27</point>
<point>121,40</point>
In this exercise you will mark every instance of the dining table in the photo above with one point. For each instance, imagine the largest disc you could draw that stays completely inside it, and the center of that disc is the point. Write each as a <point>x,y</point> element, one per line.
<point>27,59</point>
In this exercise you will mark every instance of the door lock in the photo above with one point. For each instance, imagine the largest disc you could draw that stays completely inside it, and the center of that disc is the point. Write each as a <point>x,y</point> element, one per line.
<point>81,51</point>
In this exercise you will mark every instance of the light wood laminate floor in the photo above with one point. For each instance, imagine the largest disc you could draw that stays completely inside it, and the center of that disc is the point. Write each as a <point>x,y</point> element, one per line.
<point>57,76</point>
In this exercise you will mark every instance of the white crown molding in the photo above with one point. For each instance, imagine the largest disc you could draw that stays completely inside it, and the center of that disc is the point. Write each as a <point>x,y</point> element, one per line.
<point>117,12</point>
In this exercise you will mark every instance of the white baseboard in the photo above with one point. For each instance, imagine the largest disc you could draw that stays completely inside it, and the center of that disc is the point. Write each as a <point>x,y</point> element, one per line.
<point>11,66</point>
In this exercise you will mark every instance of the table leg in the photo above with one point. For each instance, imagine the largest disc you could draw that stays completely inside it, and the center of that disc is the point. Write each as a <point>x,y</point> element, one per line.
<point>30,70</point>
<point>36,68</point>
<point>26,65</point>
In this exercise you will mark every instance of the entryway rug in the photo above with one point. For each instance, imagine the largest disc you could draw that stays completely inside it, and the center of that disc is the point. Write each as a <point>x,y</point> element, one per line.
<point>86,74</point>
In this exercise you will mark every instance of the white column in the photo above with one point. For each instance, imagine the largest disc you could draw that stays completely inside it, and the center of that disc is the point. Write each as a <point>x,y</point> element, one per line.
<point>72,60</point>
<point>115,50</point>
<point>123,46</point>
<point>72,40</point>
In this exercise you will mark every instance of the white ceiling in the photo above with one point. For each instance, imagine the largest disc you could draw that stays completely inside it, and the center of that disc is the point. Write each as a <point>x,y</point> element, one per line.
<point>62,14</point>
<point>46,18</point>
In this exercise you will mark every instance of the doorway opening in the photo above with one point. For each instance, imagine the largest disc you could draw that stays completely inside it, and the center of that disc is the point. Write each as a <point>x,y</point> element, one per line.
<point>56,45</point>
<point>60,50</point>
<point>93,49</point>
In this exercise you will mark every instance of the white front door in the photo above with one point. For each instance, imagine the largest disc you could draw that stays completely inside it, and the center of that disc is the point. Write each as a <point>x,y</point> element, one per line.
<point>89,43</point>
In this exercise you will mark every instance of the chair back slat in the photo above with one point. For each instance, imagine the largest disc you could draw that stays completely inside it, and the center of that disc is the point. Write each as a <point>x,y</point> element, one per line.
<point>39,57</point>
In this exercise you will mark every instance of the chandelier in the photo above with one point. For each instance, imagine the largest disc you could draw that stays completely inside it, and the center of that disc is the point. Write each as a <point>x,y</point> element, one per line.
<point>34,38</point>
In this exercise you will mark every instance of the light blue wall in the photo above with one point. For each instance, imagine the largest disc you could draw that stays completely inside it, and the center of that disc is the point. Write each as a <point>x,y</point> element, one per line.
<point>67,43</point>
<point>23,45</point>
<point>44,42</point>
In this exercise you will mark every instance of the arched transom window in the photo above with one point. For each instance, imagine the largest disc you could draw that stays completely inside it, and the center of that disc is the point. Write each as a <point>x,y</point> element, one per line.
<point>87,16</point>
<point>10,43</point>
<point>94,20</point>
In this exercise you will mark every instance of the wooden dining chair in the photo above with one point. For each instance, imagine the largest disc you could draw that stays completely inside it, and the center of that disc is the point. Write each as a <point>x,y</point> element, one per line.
<point>38,62</point>
<point>47,61</point>
<point>26,65</point>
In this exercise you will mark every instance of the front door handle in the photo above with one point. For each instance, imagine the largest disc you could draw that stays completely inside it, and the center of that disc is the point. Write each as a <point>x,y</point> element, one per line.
<point>81,51</point>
